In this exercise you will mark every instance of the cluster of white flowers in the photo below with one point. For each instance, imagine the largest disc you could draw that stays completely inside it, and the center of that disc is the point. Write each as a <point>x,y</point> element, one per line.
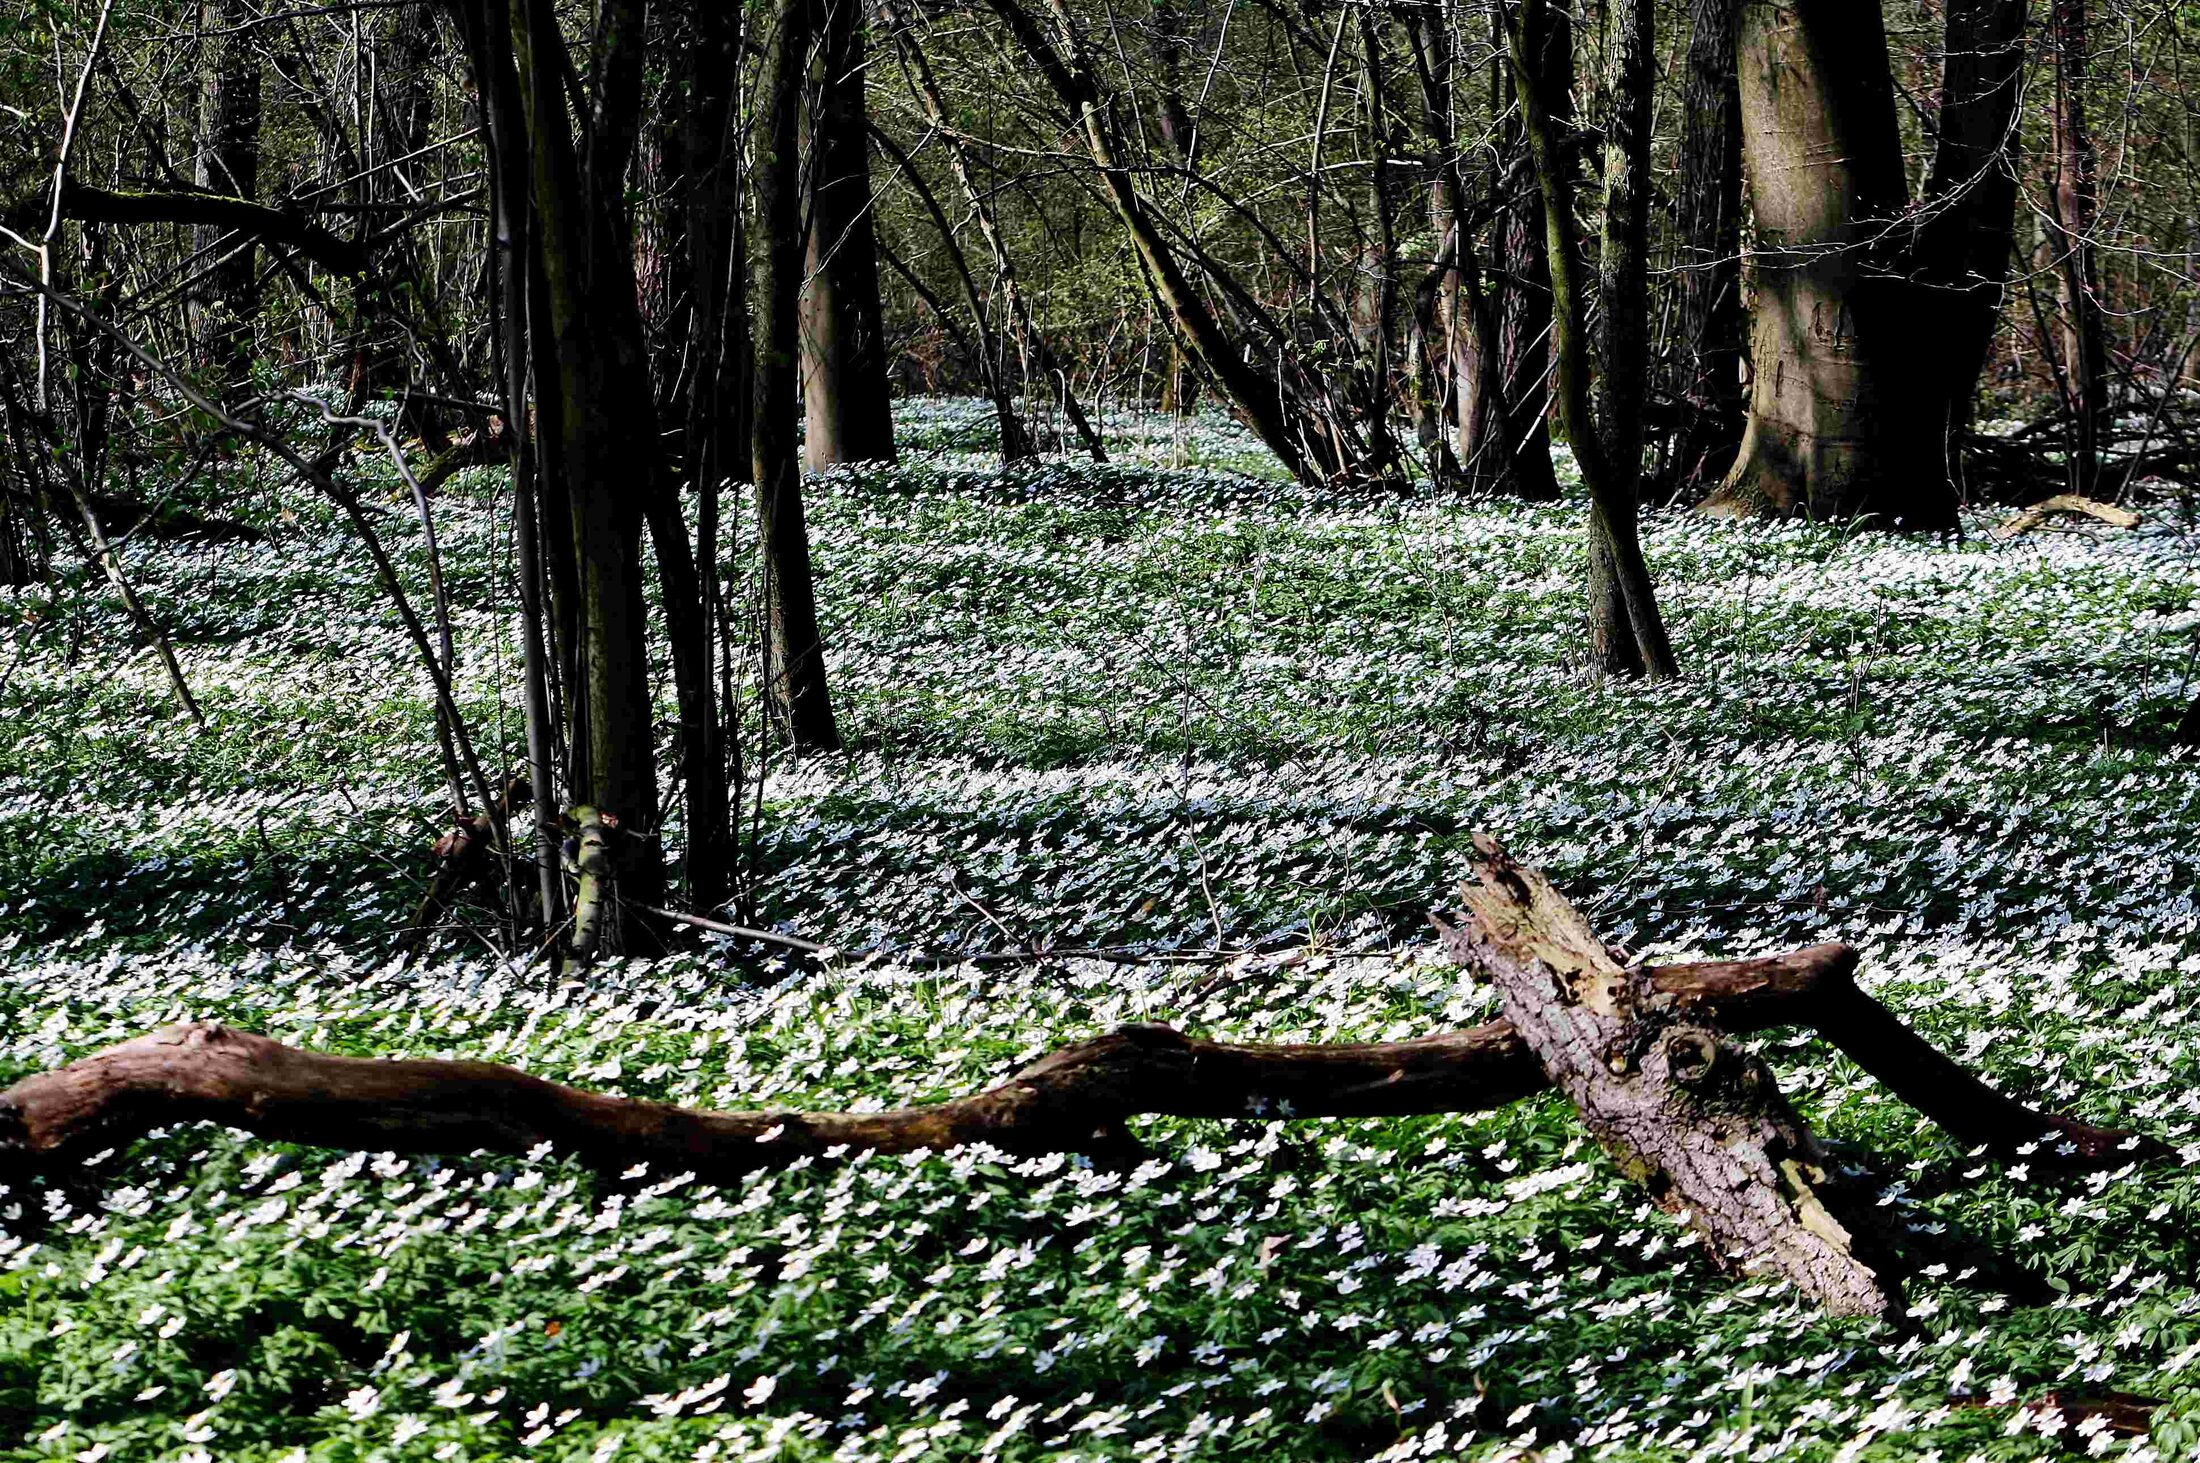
<point>1163,710</point>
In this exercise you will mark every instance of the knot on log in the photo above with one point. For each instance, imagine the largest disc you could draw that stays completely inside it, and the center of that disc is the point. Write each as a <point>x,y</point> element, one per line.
<point>1691,1056</point>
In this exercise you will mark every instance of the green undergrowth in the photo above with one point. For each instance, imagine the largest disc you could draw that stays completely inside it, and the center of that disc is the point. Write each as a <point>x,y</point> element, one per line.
<point>1172,704</point>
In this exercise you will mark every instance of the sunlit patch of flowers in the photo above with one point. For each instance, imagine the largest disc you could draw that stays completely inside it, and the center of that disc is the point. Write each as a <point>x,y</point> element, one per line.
<point>1163,710</point>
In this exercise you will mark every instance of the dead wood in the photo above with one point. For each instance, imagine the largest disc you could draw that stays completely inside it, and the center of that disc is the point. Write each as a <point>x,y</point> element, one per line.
<point>1695,1119</point>
<point>462,858</point>
<point>2065,503</point>
<point>1702,1113</point>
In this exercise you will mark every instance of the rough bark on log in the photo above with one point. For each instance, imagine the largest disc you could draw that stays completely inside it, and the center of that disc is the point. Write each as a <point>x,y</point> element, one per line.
<point>209,1071</point>
<point>1694,1118</point>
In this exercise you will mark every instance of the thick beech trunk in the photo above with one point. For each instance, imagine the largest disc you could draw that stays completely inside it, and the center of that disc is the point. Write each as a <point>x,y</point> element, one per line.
<point>1842,421</point>
<point>846,397</point>
<point>794,655</point>
<point>1641,1051</point>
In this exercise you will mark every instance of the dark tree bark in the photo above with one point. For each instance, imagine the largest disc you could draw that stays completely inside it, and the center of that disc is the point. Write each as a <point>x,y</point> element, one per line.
<point>1843,421</point>
<point>794,656</point>
<point>846,393</point>
<point>216,215</point>
<point>2077,200</point>
<point>1623,337</point>
<point>591,357</point>
<point>1624,603</point>
<point>1706,357</point>
<point>225,300</point>
<point>1523,297</point>
<point>1968,233</point>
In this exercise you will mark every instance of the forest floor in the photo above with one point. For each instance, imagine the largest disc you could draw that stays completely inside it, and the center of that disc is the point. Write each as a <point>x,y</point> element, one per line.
<point>1175,707</point>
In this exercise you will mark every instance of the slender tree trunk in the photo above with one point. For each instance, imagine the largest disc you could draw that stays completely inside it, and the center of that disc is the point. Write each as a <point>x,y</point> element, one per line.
<point>1842,420</point>
<point>1484,435</point>
<point>1623,335</point>
<point>1621,576</point>
<point>1523,296</point>
<point>225,300</point>
<point>794,655</point>
<point>1707,358</point>
<point>1379,308</point>
<point>2084,341</point>
<point>1016,443</point>
<point>846,395</point>
<point>1965,242</point>
<point>1257,399</point>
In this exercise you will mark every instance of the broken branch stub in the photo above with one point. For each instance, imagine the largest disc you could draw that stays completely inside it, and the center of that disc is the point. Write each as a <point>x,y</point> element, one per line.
<point>1687,1113</point>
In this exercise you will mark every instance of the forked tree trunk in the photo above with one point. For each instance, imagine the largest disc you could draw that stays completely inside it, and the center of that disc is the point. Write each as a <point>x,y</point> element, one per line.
<point>1031,343</point>
<point>1841,416</point>
<point>1641,1052</point>
<point>2077,200</point>
<point>1254,395</point>
<point>1620,588</point>
<point>1483,437</point>
<point>846,395</point>
<point>588,354</point>
<point>794,673</point>
<point>1706,347</point>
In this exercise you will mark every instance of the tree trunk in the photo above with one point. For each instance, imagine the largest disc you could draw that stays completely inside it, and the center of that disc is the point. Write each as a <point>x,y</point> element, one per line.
<point>596,364</point>
<point>1523,296</point>
<point>1623,334</point>
<point>846,396</point>
<point>1483,434</point>
<point>794,657</point>
<point>1706,356</point>
<point>225,300</point>
<point>1697,1120</point>
<point>1968,234</point>
<point>1841,421</point>
<point>2084,341</point>
<point>1257,399</point>
<point>1623,601</point>
<point>1379,285</point>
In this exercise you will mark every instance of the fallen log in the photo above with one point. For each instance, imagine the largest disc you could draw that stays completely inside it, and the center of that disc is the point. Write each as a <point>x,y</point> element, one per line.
<point>1689,1115</point>
<point>2067,503</point>
<point>1078,1099</point>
